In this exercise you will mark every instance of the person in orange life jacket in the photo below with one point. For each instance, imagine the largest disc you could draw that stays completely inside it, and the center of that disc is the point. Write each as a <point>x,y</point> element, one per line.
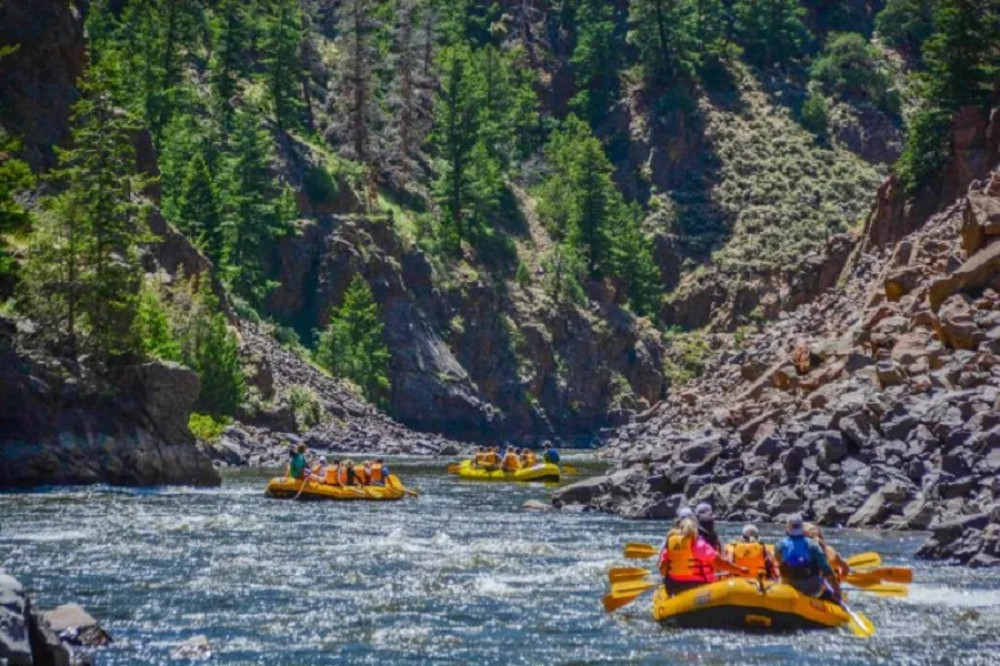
<point>348,475</point>
<point>837,563</point>
<point>752,554</point>
<point>803,564</point>
<point>706,525</point>
<point>318,471</point>
<point>510,462</point>
<point>689,561</point>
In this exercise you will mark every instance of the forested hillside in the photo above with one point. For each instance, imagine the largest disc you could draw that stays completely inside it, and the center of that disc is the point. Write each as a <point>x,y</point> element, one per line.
<point>510,219</point>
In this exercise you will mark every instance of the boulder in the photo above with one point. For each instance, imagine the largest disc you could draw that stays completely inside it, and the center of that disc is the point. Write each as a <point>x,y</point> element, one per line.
<point>975,273</point>
<point>76,626</point>
<point>15,643</point>
<point>957,327</point>
<point>581,492</point>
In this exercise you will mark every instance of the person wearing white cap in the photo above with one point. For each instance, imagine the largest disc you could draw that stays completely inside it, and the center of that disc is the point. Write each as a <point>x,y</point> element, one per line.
<point>803,564</point>
<point>752,554</point>
<point>318,472</point>
<point>706,525</point>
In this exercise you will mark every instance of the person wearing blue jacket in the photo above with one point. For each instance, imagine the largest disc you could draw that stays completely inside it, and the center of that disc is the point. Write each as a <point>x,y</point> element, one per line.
<point>803,564</point>
<point>550,455</point>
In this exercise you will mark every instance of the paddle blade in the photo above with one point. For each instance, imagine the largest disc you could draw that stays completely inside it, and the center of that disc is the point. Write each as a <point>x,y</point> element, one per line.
<point>569,469</point>
<point>411,493</point>
<point>864,561</point>
<point>613,603</point>
<point>630,587</point>
<point>886,590</point>
<point>620,574</point>
<point>902,575</point>
<point>859,624</point>
<point>866,579</point>
<point>639,551</point>
<point>454,469</point>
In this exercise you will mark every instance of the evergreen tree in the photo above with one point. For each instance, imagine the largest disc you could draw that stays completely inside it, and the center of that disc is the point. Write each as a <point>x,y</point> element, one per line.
<point>906,24</point>
<point>353,345</point>
<point>595,61</point>
<point>250,219</point>
<point>664,33</point>
<point>455,137</point>
<point>578,198</point>
<point>232,36</point>
<point>198,208</point>
<point>83,273</point>
<point>771,31</point>
<point>211,349</point>
<point>632,262</point>
<point>282,39</point>
<point>152,323</point>
<point>962,62</point>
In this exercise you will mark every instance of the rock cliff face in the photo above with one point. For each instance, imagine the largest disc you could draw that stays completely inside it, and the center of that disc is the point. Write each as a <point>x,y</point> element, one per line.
<point>473,359</point>
<point>38,80</point>
<point>877,404</point>
<point>57,431</point>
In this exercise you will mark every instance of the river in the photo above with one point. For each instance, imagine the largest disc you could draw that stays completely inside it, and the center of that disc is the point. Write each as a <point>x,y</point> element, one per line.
<point>461,575</point>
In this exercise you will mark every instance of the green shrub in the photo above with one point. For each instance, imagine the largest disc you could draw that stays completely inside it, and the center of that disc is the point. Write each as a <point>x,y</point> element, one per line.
<point>926,147</point>
<point>206,427</point>
<point>523,275</point>
<point>816,114</point>
<point>854,70</point>
<point>305,405</point>
<point>686,356</point>
<point>319,184</point>
<point>152,325</point>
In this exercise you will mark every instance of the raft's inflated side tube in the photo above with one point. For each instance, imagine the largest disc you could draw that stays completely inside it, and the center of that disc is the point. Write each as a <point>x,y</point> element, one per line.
<point>284,487</point>
<point>738,603</point>
<point>541,472</point>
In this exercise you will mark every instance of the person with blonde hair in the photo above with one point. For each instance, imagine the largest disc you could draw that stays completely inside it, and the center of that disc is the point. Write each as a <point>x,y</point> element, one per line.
<point>688,560</point>
<point>749,552</point>
<point>838,563</point>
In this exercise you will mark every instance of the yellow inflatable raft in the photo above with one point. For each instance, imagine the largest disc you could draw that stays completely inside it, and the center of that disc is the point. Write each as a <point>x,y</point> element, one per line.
<point>739,603</point>
<point>540,472</point>
<point>283,487</point>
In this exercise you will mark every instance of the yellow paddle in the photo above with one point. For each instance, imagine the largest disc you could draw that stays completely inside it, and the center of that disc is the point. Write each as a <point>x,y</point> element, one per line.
<point>618,598</point>
<point>639,551</point>
<point>885,589</point>
<point>454,468</point>
<point>892,574</point>
<point>864,561</point>
<point>569,470</point>
<point>858,622</point>
<point>619,574</point>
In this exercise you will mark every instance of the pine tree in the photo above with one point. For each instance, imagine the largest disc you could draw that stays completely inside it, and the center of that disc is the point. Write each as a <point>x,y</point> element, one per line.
<point>250,219</point>
<point>664,33</point>
<point>632,262</point>
<point>198,208</point>
<point>282,39</point>
<point>231,37</point>
<point>906,24</point>
<point>455,137</point>
<point>595,61</point>
<point>771,31</point>
<point>212,350</point>
<point>962,62</point>
<point>83,273</point>
<point>353,345</point>
<point>152,323</point>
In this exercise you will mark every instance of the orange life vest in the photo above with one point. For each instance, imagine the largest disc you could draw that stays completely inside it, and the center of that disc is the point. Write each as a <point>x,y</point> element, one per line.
<point>510,462</point>
<point>679,562</point>
<point>376,474</point>
<point>342,476</point>
<point>492,458</point>
<point>331,476</point>
<point>752,556</point>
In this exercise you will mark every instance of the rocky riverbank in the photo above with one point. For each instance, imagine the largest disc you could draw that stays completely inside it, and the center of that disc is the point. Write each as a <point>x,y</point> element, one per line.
<point>61,430</point>
<point>295,402</point>
<point>59,637</point>
<point>876,405</point>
